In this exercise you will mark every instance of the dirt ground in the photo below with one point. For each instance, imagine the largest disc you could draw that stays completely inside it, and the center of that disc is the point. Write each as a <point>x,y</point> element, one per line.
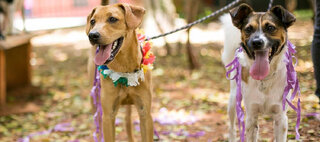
<point>189,106</point>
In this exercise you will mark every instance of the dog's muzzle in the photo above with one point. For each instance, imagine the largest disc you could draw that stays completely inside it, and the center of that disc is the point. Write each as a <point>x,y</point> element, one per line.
<point>94,37</point>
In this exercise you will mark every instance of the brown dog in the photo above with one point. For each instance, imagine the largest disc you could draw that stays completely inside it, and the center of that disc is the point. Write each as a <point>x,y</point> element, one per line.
<point>112,28</point>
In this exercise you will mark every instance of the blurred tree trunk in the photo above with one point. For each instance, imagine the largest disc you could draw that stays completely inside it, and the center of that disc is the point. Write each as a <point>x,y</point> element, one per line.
<point>291,5</point>
<point>167,10</point>
<point>191,10</point>
<point>104,2</point>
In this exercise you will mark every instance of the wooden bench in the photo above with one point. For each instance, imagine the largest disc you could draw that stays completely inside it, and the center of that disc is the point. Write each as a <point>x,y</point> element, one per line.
<point>15,68</point>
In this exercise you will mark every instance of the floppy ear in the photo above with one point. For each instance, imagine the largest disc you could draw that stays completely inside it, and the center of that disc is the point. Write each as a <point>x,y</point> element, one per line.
<point>88,20</point>
<point>239,14</point>
<point>133,15</point>
<point>283,15</point>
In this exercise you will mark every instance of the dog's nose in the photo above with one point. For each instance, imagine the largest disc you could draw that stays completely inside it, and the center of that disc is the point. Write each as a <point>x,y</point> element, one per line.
<point>94,36</point>
<point>257,43</point>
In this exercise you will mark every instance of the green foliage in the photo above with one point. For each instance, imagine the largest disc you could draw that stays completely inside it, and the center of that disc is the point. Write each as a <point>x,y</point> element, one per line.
<point>305,14</point>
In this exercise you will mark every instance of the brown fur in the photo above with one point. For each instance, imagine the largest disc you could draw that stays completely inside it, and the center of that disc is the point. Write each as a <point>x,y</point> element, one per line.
<point>127,60</point>
<point>245,74</point>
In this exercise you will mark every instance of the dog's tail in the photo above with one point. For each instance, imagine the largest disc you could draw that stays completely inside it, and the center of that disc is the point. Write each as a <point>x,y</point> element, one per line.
<point>232,39</point>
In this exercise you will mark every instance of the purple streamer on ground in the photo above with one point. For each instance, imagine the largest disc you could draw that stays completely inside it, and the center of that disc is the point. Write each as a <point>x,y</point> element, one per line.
<point>292,83</point>
<point>182,132</point>
<point>235,64</point>
<point>62,127</point>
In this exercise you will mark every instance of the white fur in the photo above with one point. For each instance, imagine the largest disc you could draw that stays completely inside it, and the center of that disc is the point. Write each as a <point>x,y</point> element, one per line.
<point>260,97</point>
<point>231,36</point>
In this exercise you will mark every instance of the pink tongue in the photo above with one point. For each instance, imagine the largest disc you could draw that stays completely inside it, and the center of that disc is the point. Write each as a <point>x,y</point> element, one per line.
<point>260,68</point>
<point>103,55</point>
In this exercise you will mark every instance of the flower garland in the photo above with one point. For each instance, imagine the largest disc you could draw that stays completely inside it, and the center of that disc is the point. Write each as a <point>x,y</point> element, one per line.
<point>132,79</point>
<point>126,79</point>
<point>147,56</point>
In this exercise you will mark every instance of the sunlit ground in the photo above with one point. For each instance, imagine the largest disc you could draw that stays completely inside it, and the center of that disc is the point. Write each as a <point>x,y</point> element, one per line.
<point>186,106</point>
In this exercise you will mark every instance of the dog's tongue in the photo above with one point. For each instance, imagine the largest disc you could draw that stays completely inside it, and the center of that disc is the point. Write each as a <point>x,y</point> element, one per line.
<point>103,54</point>
<point>260,68</point>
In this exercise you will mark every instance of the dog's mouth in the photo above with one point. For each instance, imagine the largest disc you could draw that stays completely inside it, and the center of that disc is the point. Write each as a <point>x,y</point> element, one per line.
<point>108,52</point>
<point>261,65</point>
<point>270,50</point>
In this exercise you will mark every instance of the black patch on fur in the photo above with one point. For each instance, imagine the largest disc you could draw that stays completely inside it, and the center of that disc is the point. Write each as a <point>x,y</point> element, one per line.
<point>247,50</point>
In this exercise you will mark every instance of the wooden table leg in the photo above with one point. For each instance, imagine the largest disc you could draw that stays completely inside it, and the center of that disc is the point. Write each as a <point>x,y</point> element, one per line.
<point>28,59</point>
<point>2,78</point>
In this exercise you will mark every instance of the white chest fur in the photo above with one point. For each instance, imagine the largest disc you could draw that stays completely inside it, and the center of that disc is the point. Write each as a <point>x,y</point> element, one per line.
<point>265,96</point>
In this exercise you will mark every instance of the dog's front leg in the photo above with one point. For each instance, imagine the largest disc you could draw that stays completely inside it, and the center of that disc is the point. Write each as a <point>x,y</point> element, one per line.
<point>252,127</point>
<point>143,105</point>
<point>232,112</point>
<point>110,102</point>
<point>129,124</point>
<point>281,127</point>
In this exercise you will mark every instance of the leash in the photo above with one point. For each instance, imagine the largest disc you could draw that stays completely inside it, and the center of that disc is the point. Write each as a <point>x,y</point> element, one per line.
<point>197,21</point>
<point>203,19</point>
<point>292,84</point>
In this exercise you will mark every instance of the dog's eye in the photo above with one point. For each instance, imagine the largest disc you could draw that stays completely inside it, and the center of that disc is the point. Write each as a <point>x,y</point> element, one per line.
<point>112,20</point>
<point>92,22</point>
<point>270,28</point>
<point>248,30</point>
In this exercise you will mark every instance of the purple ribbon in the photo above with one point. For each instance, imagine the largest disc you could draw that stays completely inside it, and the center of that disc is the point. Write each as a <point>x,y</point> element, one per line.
<point>235,64</point>
<point>292,83</point>
<point>95,94</point>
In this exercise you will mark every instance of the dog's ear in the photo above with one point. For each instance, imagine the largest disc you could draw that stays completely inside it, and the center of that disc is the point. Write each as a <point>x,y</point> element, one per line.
<point>88,20</point>
<point>283,15</point>
<point>133,15</point>
<point>239,14</point>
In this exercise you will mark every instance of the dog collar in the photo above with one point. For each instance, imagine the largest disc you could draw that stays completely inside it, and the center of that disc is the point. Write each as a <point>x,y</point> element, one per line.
<point>132,79</point>
<point>126,79</point>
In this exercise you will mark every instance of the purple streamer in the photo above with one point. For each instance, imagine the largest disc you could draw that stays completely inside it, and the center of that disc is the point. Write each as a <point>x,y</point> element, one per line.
<point>95,94</point>
<point>313,114</point>
<point>156,133</point>
<point>292,83</point>
<point>235,64</point>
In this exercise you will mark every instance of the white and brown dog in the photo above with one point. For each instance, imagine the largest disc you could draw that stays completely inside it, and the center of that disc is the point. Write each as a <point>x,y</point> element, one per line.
<point>263,36</point>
